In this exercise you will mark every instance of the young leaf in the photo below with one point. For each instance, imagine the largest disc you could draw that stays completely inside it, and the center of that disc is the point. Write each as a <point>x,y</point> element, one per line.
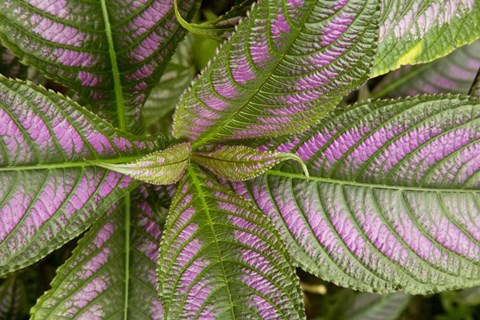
<point>220,258</point>
<point>238,163</point>
<point>452,74</point>
<point>111,52</point>
<point>286,66</point>
<point>160,167</point>
<point>419,31</point>
<point>111,273</point>
<point>393,199</point>
<point>48,193</point>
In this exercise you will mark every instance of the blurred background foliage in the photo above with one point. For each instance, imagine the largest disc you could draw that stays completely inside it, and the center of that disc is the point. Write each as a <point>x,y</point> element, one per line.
<point>323,301</point>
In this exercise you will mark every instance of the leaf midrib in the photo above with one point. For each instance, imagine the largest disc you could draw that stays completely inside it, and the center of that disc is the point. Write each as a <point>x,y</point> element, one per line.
<point>367,185</point>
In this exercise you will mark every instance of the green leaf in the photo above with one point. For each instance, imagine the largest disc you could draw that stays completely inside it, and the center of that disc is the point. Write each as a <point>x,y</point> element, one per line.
<point>393,199</point>
<point>49,192</point>
<point>377,307</point>
<point>111,273</point>
<point>10,67</point>
<point>475,89</point>
<point>160,167</point>
<point>221,258</point>
<point>176,79</point>
<point>238,163</point>
<point>419,31</point>
<point>287,65</point>
<point>452,74</point>
<point>111,52</point>
<point>12,299</point>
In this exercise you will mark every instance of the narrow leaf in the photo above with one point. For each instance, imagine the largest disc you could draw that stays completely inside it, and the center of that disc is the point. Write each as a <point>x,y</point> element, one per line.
<point>452,74</point>
<point>160,167</point>
<point>48,193</point>
<point>238,163</point>
<point>220,258</point>
<point>98,282</point>
<point>419,31</point>
<point>475,88</point>
<point>287,65</point>
<point>111,52</point>
<point>393,200</point>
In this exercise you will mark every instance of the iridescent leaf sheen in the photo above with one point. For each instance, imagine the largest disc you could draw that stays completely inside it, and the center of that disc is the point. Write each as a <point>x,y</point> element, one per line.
<point>112,272</point>
<point>284,68</point>
<point>419,31</point>
<point>393,199</point>
<point>220,258</point>
<point>452,74</point>
<point>111,52</point>
<point>239,163</point>
<point>49,193</point>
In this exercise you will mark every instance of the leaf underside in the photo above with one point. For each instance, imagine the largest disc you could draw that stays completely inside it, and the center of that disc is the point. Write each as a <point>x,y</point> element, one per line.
<point>393,199</point>
<point>91,284</point>
<point>221,258</point>
<point>284,68</point>
<point>49,194</point>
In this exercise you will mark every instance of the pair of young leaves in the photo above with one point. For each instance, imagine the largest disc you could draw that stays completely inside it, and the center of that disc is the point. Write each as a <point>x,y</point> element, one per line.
<point>360,220</point>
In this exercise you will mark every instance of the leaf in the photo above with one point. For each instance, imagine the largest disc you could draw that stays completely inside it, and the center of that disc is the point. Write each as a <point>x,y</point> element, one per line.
<point>393,198</point>
<point>176,79</point>
<point>12,299</point>
<point>419,31</point>
<point>475,89</point>
<point>49,194</point>
<point>112,272</point>
<point>286,66</point>
<point>221,258</point>
<point>451,74</point>
<point>111,52</point>
<point>239,163</point>
<point>377,307</point>
<point>160,167</point>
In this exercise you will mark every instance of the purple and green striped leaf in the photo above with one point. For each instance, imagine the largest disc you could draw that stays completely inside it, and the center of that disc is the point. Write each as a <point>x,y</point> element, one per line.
<point>111,52</point>
<point>285,67</point>
<point>159,168</point>
<point>49,193</point>
<point>419,31</point>
<point>393,199</point>
<point>220,258</point>
<point>112,272</point>
<point>452,74</point>
<point>239,163</point>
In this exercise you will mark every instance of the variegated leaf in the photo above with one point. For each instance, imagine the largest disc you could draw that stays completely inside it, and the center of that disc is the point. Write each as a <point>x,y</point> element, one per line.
<point>419,31</point>
<point>112,272</point>
<point>111,52</point>
<point>220,258</point>
<point>49,193</point>
<point>160,167</point>
<point>393,199</point>
<point>287,65</point>
<point>239,163</point>
<point>452,74</point>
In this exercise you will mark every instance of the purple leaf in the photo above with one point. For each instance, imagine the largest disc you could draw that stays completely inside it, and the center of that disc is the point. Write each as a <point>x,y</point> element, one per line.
<point>393,199</point>
<point>49,194</point>
<point>287,65</point>
<point>112,272</point>
<point>220,258</point>
<point>111,52</point>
